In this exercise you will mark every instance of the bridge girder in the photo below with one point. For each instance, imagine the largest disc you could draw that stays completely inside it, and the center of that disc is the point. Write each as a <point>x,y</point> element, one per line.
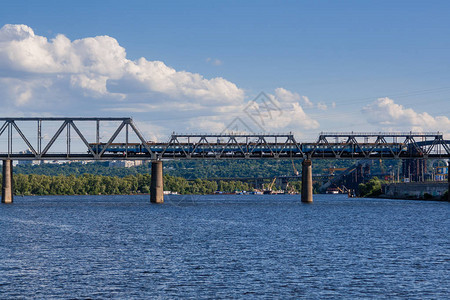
<point>116,145</point>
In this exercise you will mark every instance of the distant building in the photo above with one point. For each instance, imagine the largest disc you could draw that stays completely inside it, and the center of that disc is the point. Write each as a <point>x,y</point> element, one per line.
<point>441,173</point>
<point>125,163</point>
<point>28,162</point>
<point>54,162</point>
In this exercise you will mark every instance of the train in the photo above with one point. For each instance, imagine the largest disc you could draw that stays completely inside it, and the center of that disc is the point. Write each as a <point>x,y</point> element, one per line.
<point>253,148</point>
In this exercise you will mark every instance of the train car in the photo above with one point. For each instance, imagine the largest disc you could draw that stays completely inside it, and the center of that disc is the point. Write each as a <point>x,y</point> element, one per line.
<point>325,150</point>
<point>352,149</point>
<point>116,148</point>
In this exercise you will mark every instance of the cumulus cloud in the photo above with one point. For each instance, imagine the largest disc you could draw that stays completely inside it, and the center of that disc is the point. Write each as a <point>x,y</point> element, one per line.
<point>281,111</point>
<point>292,97</point>
<point>93,76</point>
<point>99,67</point>
<point>295,117</point>
<point>285,95</point>
<point>385,112</point>
<point>288,96</point>
<point>307,102</point>
<point>291,113</point>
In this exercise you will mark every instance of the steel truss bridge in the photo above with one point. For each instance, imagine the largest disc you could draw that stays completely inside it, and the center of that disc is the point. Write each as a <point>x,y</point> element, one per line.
<point>120,139</point>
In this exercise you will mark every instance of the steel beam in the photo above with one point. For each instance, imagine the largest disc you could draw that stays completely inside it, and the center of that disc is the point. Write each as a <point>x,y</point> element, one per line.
<point>350,145</point>
<point>64,119</point>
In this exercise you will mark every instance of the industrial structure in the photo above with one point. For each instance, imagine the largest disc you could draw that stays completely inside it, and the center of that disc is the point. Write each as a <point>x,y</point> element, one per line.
<point>123,141</point>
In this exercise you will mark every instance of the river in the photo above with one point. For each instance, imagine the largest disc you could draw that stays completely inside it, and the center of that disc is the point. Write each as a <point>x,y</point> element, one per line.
<point>224,246</point>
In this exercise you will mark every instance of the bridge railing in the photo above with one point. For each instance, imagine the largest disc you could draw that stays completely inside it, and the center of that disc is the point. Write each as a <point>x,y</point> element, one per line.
<point>385,134</point>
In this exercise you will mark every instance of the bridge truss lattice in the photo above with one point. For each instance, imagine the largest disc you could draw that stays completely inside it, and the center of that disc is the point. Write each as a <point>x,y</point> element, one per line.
<point>123,141</point>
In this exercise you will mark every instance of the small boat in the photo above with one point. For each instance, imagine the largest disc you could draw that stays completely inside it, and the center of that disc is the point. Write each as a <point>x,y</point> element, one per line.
<point>332,191</point>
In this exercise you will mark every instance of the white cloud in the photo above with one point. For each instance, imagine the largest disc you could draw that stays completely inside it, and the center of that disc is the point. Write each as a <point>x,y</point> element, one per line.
<point>322,106</point>
<point>97,64</point>
<point>307,102</point>
<point>93,77</point>
<point>386,112</point>
<point>288,96</point>
<point>295,117</point>
<point>214,61</point>
<point>292,114</point>
<point>281,112</point>
<point>206,124</point>
<point>15,32</point>
<point>285,95</point>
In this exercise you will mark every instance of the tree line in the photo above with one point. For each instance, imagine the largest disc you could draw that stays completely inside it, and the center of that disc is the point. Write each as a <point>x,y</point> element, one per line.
<point>191,169</point>
<point>89,184</point>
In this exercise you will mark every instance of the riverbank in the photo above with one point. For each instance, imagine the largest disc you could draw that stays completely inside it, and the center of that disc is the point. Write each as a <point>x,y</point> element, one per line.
<point>436,191</point>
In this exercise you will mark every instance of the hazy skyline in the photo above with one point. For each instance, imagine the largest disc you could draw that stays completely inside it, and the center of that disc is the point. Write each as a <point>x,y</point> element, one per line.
<point>196,67</point>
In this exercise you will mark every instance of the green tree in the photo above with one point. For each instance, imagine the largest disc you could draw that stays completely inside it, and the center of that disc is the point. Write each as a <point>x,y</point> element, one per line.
<point>372,188</point>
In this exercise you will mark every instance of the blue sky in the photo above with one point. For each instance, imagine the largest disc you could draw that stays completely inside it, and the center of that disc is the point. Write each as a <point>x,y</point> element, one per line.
<point>329,65</point>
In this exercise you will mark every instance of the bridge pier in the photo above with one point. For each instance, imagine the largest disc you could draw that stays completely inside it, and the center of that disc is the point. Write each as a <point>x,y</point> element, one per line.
<point>307,187</point>
<point>157,185</point>
<point>7,184</point>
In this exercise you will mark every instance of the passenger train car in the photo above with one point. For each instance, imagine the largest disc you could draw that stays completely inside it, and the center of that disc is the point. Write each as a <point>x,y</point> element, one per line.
<point>331,149</point>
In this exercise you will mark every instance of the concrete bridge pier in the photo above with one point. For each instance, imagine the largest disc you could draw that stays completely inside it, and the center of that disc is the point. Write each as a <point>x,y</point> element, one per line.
<point>307,187</point>
<point>7,184</point>
<point>157,185</point>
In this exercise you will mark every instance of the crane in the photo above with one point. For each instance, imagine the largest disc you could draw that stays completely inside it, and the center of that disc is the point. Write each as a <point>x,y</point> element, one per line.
<point>333,169</point>
<point>295,169</point>
<point>268,191</point>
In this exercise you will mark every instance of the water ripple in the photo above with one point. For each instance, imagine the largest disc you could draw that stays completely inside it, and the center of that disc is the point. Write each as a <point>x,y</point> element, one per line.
<point>223,247</point>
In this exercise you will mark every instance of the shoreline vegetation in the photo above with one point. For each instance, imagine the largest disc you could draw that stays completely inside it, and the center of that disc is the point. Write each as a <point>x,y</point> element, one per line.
<point>99,178</point>
<point>89,184</point>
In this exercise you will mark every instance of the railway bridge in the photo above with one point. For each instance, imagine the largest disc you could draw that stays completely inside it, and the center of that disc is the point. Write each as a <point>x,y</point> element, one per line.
<point>93,139</point>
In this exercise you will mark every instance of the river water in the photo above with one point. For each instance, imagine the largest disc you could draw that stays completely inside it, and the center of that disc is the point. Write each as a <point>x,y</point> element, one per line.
<point>224,246</point>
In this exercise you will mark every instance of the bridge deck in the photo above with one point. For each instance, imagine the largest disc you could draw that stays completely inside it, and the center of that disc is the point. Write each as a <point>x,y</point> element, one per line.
<point>118,145</point>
